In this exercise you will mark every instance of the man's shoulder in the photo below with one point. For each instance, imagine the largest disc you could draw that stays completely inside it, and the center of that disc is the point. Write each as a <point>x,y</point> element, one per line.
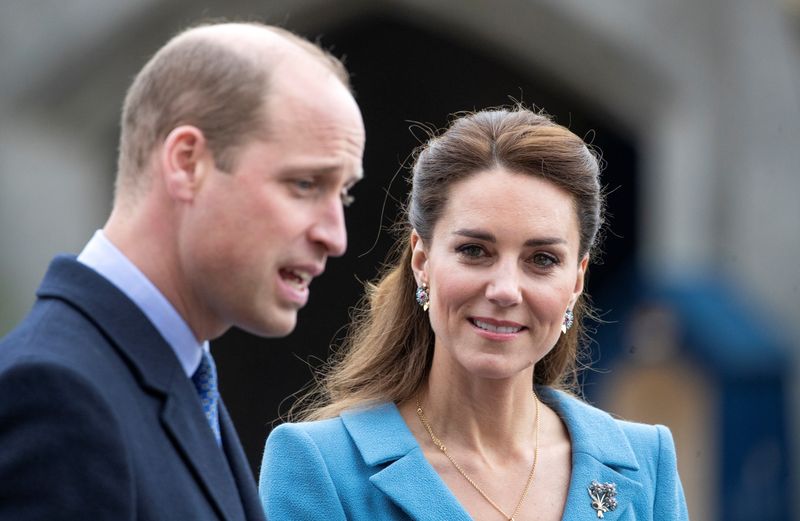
<point>52,331</point>
<point>58,338</point>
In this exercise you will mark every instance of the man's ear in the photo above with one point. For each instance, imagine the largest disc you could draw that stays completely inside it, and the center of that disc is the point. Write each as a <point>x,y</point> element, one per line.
<point>185,161</point>
<point>419,258</point>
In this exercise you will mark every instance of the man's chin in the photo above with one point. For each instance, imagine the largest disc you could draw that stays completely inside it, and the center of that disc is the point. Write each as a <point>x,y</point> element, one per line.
<point>276,327</point>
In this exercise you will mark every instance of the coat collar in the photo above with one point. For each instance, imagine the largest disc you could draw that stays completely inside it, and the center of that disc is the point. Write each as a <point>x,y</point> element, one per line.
<point>403,474</point>
<point>156,368</point>
<point>127,328</point>
<point>600,451</point>
<point>593,432</point>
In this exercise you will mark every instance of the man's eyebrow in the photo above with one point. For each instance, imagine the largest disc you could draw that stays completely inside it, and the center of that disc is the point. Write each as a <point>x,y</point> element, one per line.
<point>324,170</point>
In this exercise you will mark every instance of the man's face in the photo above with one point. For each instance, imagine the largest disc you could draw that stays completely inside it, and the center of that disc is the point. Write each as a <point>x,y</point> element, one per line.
<point>258,234</point>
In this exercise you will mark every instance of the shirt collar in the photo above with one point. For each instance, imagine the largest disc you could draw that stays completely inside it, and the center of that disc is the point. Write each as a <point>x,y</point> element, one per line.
<point>107,260</point>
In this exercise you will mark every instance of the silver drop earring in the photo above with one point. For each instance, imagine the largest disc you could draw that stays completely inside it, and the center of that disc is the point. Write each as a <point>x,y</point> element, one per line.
<point>569,319</point>
<point>423,296</point>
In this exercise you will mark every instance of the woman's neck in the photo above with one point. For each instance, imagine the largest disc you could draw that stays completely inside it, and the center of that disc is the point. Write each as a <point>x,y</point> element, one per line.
<point>490,416</point>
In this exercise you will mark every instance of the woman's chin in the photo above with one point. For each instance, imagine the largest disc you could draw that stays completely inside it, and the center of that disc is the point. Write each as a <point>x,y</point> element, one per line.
<point>493,369</point>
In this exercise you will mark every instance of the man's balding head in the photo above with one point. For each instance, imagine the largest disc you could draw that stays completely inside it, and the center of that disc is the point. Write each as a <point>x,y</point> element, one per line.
<point>214,77</point>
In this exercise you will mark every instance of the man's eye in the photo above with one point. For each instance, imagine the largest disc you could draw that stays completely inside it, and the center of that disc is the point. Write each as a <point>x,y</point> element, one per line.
<point>304,184</point>
<point>347,199</point>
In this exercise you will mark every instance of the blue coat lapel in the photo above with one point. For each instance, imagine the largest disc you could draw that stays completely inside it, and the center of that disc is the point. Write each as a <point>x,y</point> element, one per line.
<point>600,452</point>
<point>403,473</point>
<point>155,366</point>
<point>586,469</point>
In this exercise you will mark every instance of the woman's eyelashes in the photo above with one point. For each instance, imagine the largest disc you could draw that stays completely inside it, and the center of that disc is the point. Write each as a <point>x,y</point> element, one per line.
<point>544,260</point>
<point>472,252</point>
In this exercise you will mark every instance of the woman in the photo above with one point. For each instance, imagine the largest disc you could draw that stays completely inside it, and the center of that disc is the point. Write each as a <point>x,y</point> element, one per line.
<point>448,399</point>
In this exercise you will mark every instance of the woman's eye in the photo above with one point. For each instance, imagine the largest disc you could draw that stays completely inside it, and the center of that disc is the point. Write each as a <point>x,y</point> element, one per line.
<point>544,260</point>
<point>472,251</point>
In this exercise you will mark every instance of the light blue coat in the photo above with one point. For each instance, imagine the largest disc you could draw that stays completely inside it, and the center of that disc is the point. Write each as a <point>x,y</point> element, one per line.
<point>366,465</point>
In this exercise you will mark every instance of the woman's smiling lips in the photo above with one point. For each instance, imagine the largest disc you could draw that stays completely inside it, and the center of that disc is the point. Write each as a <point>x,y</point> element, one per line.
<point>496,329</point>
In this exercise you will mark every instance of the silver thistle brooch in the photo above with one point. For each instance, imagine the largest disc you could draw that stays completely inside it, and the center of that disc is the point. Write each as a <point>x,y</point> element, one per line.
<point>604,497</point>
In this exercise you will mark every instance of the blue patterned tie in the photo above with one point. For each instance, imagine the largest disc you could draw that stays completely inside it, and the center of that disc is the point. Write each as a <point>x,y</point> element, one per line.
<point>205,380</point>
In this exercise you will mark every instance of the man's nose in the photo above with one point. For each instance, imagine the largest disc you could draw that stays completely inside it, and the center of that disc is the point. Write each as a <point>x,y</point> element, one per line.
<point>329,229</point>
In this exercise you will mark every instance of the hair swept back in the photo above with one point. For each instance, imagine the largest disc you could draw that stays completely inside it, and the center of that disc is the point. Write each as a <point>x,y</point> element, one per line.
<point>387,353</point>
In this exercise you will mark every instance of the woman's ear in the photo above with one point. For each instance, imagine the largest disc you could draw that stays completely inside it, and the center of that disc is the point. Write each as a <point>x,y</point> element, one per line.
<point>579,280</point>
<point>419,258</point>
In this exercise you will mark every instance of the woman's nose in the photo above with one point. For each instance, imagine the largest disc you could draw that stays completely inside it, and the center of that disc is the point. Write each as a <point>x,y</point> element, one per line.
<point>504,289</point>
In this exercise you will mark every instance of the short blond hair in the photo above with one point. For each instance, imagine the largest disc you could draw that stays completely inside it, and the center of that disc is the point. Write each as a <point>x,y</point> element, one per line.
<point>208,83</point>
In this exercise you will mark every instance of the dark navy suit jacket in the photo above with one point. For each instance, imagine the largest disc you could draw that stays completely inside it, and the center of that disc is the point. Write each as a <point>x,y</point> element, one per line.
<point>98,420</point>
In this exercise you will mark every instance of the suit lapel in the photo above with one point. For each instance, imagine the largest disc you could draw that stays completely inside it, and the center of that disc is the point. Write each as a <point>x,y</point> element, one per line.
<point>600,452</point>
<point>242,474</point>
<point>182,417</point>
<point>401,471</point>
<point>156,368</point>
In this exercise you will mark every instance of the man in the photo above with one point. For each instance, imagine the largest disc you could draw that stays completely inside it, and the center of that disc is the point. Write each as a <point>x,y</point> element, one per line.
<point>239,145</point>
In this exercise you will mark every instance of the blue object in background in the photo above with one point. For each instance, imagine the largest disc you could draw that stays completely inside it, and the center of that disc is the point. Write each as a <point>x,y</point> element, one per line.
<point>746,363</point>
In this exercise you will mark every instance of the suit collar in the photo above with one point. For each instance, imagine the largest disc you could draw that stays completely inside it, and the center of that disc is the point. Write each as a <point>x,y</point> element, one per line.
<point>127,328</point>
<point>102,256</point>
<point>157,370</point>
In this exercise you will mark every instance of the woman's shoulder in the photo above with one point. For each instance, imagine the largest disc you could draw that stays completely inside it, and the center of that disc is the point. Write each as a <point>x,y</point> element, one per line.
<point>622,450</point>
<point>590,424</point>
<point>313,428</point>
<point>365,417</point>
<point>343,445</point>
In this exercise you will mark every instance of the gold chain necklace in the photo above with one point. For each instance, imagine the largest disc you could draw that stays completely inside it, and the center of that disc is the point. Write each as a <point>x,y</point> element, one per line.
<point>440,445</point>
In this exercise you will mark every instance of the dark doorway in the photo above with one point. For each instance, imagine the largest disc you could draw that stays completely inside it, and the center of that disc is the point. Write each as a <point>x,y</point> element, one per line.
<point>402,73</point>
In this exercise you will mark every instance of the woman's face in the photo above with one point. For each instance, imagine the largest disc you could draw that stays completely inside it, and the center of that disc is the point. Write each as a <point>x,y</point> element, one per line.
<point>502,267</point>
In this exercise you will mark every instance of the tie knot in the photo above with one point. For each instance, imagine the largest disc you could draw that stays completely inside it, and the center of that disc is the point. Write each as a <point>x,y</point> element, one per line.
<point>205,380</point>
